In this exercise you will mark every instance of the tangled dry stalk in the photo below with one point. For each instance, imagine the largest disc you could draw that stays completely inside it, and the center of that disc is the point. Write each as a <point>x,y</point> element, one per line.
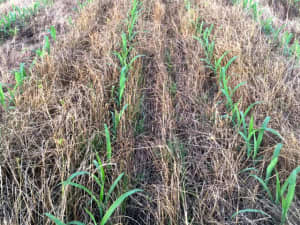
<point>172,141</point>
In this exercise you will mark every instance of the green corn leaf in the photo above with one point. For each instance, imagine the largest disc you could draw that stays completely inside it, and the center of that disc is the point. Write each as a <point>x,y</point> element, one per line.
<point>116,204</point>
<point>53,33</point>
<point>18,79</point>
<point>121,59</point>
<point>236,117</point>
<point>101,184</point>
<point>2,97</point>
<point>237,87</point>
<point>249,211</point>
<point>229,100</point>
<point>122,83</point>
<point>251,106</point>
<point>100,170</point>
<point>265,186</point>
<point>251,125</point>
<point>290,180</point>
<point>230,62</point>
<point>91,216</point>
<point>124,45</point>
<point>113,186</point>
<point>286,202</point>
<point>273,162</point>
<point>249,169</point>
<point>82,187</point>
<point>55,219</point>
<point>122,111</point>
<point>46,47</point>
<point>274,132</point>
<point>278,188</point>
<point>75,223</point>
<point>261,133</point>
<point>218,62</point>
<point>134,59</point>
<point>76,175</point>
<point>255,144</point>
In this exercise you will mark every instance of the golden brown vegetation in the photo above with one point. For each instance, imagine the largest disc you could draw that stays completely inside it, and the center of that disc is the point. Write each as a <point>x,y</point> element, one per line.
<point>173,141</point>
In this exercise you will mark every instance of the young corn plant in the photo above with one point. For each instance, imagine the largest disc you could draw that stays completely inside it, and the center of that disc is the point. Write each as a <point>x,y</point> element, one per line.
<point>285,193</point>
<point>101,199</point>
<point>126,62</point>
<point>227,91</point>
<point>134,14</point>
<point>253,137</point>
<point>9,22</point>
<point>267,26</point>
<point>208,45</point>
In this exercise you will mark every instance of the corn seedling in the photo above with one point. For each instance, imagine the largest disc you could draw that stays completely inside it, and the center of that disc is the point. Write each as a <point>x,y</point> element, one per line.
<point>20,76</point>
<point>255,12</point>
<point>286,192</point>
<point>134,14</point>
<point>226,89</point>
<point>102,199</point>
<point>267,26</point>
<point>250,211</point>
<point>253,137</point>
<point>46,47</point>
<point>116,118</point>
<point>204,39</point>
<point>53,33</point>
<point>8,23</point>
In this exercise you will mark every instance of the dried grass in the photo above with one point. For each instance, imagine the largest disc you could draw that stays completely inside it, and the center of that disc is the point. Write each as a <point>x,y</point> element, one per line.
<point>184,156</point>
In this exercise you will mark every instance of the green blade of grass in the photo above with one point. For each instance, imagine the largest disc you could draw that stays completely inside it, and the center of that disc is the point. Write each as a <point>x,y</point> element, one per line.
<point>265,186</point>
<point>122,84</point>
<point>237,87</point>
<point>82,187</point>
<point>53,33</point>
<point>249,211</point>
<point>91,216</point>
<point>116,204</point>
<point>273,162</point>
<point>55,219</point>
<point>278,189</point>
<point>260,135</point>
<point>112,187</point>
<point>75,223</point>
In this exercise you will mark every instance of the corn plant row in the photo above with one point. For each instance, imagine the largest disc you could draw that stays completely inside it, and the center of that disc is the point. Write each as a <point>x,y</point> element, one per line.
<point>102,199</point>
<point>125,64</point>
<point>252,136</point>
<point>8,22</point>
<point>289,47</point>
<point>6,101</point>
